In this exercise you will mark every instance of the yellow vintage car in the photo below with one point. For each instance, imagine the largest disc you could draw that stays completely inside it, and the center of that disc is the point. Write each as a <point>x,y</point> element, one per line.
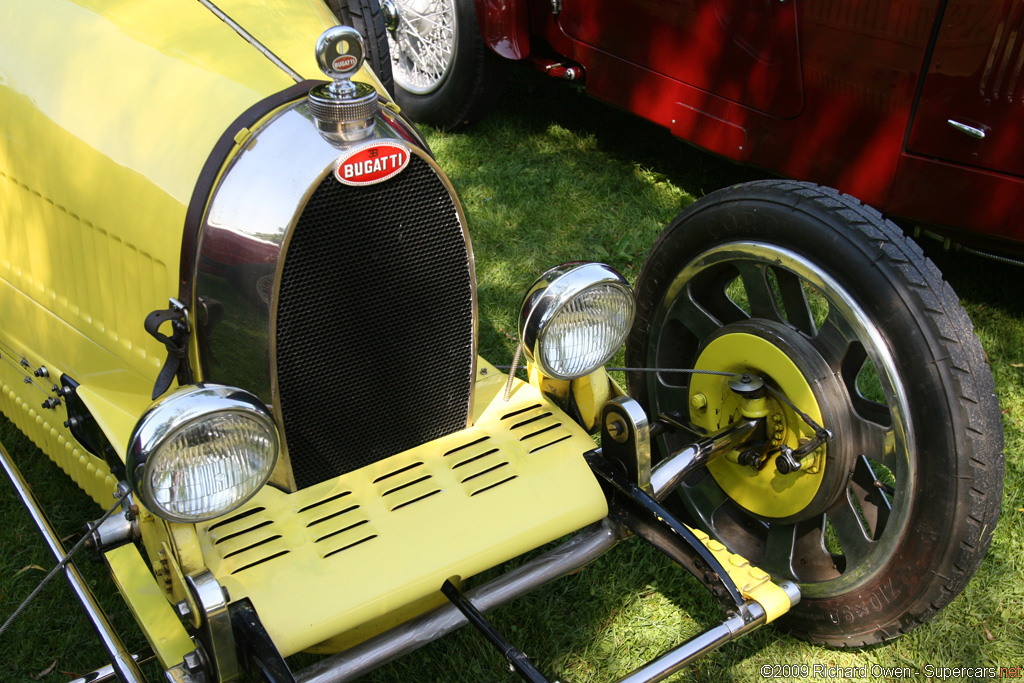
<point>239,311</point>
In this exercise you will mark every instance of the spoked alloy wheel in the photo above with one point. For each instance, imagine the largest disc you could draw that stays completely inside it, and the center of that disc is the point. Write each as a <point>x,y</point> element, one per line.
<point>444,74</point>
<point>839,312</point>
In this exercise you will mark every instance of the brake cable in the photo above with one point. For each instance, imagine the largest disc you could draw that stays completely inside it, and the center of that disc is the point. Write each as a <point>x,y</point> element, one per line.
<point>92,526</point>
<point>819,431</point>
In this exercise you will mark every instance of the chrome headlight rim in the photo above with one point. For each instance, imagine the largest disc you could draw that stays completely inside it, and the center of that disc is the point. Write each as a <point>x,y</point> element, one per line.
<point>177,412</point>
<point>549,296</point>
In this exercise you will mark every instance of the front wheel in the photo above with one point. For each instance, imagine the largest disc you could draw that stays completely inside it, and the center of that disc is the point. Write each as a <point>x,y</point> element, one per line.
<point>841,314</point>
<point>444,74</point>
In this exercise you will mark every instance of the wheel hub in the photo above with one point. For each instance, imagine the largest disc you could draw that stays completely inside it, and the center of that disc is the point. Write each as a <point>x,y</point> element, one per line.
<point>790,364</point>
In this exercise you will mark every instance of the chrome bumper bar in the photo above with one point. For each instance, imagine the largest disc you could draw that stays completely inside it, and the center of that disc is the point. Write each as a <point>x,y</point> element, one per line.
<point>752,617</point>
<point>122,661</point>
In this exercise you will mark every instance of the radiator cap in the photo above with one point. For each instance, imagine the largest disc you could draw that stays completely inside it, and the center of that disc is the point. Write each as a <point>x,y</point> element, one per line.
<point>343,109</point>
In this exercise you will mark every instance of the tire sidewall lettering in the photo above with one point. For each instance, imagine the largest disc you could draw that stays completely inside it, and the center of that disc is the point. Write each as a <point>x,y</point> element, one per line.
<point>745,224</point>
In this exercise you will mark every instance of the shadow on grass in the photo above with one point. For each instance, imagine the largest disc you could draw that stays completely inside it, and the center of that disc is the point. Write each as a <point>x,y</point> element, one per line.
<point>538,102</point>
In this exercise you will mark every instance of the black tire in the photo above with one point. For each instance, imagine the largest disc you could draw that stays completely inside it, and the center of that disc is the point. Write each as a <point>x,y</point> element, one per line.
<point>366,17</point>
<point>907,518</point>
<point>462,89</point>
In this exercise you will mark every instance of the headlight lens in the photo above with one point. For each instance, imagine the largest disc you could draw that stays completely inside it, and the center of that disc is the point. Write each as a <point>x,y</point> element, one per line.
<point>202,452</point>
<point>574,319</point>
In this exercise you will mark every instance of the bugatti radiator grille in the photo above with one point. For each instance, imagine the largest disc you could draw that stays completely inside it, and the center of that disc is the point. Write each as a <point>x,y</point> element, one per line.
<point>374,331</point>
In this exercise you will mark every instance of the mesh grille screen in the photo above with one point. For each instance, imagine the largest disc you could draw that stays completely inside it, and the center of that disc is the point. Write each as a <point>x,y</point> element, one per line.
<point>374,324</point>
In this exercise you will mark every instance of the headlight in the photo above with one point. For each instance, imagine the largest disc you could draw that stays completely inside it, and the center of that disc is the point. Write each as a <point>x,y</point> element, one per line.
<point>574,318</point>
<point>201,452</point>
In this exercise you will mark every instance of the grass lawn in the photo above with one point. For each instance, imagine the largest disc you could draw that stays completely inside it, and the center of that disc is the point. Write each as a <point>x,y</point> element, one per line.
<point>551,177</point>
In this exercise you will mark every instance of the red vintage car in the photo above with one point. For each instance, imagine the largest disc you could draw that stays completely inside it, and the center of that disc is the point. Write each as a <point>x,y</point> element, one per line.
<point>912,106</point>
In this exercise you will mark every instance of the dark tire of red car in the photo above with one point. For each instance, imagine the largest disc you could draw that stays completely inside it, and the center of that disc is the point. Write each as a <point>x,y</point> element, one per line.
<point>471,85</point>
<point>942,480</point>
<point>366,17</point>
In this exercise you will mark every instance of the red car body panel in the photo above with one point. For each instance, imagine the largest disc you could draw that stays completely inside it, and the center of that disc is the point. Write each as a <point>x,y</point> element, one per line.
<point>698,41</point>
<point>855,94</point>
<point>975,77</point>
<point>504,27</point>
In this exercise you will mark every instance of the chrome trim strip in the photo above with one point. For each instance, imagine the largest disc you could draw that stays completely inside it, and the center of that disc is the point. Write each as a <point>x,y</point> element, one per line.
<point>284,476</point>
<point>572,555</point>
<point>401,123</point>
<point>121,660</point>
<point>264,50</point>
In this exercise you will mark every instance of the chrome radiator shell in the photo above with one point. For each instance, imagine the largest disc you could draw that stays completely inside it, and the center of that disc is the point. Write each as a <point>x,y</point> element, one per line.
<point>322,298</point>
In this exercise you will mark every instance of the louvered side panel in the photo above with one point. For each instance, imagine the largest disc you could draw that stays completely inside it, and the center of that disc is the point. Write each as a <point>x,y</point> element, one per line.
<point>1001,77</point>
<point>92,278</point>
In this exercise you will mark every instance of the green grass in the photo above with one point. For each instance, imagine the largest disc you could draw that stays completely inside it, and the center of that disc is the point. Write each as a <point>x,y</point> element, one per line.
<point>553,176</point>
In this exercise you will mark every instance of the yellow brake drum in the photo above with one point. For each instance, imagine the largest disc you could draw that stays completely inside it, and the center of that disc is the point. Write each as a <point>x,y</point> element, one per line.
<point>788,363</point>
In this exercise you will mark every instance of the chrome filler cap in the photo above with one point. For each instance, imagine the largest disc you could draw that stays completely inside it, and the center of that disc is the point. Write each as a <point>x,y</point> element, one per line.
<point>343,109</point>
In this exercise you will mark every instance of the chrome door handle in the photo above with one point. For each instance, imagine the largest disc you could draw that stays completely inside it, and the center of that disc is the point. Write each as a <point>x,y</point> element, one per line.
<point>976,133</point>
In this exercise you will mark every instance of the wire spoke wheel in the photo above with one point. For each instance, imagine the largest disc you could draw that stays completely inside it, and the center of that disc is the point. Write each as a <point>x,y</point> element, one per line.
<point>445,75</point>
<point>837,310</point>
<point>423,44</point>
